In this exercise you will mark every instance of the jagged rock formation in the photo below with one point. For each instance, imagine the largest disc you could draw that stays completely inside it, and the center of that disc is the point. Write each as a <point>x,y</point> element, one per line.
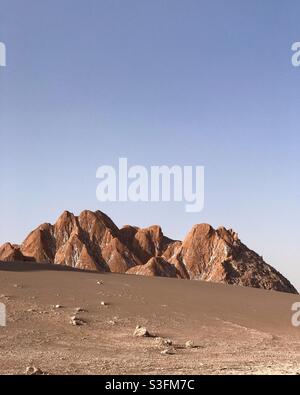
<point>92,241</point>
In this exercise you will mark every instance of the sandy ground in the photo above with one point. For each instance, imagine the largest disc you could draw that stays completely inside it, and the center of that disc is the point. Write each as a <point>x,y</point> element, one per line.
<point>235,330</point>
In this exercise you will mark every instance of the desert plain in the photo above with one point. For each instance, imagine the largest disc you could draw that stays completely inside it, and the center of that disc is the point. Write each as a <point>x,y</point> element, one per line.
<point>194,327</point>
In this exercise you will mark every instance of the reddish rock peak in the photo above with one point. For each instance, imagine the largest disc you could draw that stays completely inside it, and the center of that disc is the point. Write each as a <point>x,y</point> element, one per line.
<point>147,242</point>
<point>98,217</point>
<point>40,244</point>
<point>127,233</point>
<point>9,252</point>
<point>200,230</point>
<point>228,235</point>
<point>97,225</point>
<point>65,216</point>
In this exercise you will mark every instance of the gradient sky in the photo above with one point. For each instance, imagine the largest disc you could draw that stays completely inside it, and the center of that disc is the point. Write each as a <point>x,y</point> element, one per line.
<point>194,82</point>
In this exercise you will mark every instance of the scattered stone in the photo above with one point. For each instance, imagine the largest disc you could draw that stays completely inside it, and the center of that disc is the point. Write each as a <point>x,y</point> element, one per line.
<point>57,306</point>
<point>114,320</point>
<point>76,321</point>
<point>189,344</point>
<point>99,282</point>
<point>32,310</point>
<point>33,371</point>
<point>103,303</point>
<point>79,310</point>
<point>161,342</point>
<point>141,331</point>
<point>168,351</point>
<point>17,286</point>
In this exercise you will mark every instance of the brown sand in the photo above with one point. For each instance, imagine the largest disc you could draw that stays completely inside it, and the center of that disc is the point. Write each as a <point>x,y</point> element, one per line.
<point>235,330</point>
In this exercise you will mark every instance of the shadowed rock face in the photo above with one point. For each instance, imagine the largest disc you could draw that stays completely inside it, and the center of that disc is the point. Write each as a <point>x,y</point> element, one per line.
<point>155,267</point>
<point>10,253</point>
<point>91,241</point>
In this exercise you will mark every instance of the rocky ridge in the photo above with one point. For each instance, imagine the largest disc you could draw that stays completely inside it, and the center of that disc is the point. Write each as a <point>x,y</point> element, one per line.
<point>91,241</point>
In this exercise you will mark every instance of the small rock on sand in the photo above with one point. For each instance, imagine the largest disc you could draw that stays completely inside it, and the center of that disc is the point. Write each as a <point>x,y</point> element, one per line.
<point>160,341</point>
<point>141,331</point>
<point>168,351</point>
<point>33,371</point>
<point>76,321</point>
<point>189,344</point>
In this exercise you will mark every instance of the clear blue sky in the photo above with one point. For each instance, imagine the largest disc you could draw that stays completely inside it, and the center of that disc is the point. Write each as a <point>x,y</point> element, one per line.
<point>197,82</point>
